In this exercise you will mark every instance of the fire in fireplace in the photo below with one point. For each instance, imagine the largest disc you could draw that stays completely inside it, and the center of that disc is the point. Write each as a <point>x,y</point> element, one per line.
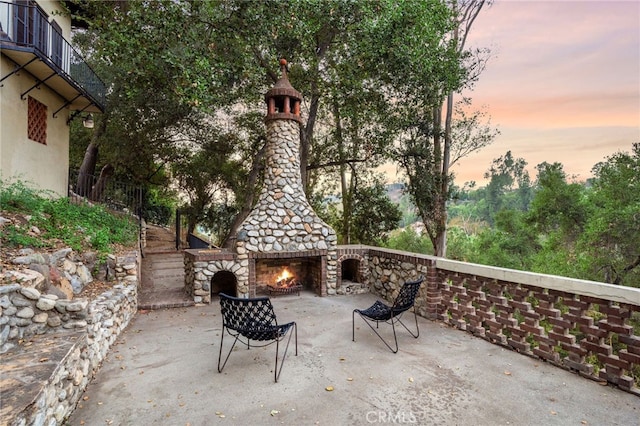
<point>287,275</point>
<point>285,283</point>
<point>285,279</point>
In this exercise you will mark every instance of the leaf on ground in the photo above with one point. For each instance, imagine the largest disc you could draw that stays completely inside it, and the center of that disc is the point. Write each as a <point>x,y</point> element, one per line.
<point>507,373</point>
<point>329,388</point>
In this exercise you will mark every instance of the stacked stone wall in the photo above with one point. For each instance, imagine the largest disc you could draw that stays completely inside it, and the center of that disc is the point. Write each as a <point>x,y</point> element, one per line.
<point>390,269</point>
<point>89,329</point>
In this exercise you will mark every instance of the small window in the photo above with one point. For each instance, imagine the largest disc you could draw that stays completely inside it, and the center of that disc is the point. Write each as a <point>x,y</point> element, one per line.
<point>37,121</point>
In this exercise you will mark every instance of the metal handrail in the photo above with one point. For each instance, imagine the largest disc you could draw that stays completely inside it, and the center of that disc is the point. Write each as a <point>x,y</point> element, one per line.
<point>26,27</point>
<point>121,196</point>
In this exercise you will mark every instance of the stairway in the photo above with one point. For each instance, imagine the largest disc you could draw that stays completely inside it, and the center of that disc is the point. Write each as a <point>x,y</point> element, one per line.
<point>162,273</point>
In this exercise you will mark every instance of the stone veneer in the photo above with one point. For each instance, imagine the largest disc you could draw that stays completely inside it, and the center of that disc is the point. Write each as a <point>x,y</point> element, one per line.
<point>283,221</point>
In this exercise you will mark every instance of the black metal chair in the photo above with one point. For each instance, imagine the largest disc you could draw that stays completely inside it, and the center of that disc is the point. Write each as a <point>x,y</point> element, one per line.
<point>254,319</point>
<point>381,312</point>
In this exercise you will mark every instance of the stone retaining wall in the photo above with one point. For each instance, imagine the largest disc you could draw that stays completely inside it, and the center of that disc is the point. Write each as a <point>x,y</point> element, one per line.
<point>91,327</point>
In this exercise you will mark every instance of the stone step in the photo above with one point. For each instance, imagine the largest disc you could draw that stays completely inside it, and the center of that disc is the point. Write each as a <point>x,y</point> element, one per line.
<point>162,284</point>
<point>164,266</point>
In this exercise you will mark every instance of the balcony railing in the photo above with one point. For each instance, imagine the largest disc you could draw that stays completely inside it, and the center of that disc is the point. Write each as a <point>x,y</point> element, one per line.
<point>26,29</point>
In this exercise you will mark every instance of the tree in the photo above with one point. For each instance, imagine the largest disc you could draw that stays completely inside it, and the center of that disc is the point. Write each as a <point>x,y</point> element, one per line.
<point>511,244</point>
<point>135,49</point>
<point>426,151</point>
<point>169,61</point>
<point>557,205</point>
<point>612,231</point>
<point>506,174</point>
<point>208,173</point>
<point>374,215</point>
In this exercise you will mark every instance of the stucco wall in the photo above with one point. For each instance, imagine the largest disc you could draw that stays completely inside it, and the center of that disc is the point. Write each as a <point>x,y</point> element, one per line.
<point>44,166</point>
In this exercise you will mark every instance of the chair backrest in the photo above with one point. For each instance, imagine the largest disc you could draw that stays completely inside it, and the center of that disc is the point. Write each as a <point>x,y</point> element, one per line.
<point>247,314</point>
<point>407,296</point>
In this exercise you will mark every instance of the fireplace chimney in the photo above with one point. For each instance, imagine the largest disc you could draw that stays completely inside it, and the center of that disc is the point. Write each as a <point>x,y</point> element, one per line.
<point>282,224</point>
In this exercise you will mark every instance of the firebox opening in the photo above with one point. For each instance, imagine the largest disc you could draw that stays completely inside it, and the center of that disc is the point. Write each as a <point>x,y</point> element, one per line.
<point>351,270</point>
<point>302,273</point>
<point>224,282</point>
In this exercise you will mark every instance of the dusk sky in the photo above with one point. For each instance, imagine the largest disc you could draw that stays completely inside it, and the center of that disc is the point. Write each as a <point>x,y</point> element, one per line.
<point>562,84</point>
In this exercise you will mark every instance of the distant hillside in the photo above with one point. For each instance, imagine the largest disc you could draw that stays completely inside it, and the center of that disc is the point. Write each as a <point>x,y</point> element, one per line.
<point>395,191</point>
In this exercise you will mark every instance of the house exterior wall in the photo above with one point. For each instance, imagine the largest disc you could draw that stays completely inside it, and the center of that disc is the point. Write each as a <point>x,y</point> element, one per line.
<point>41,166</point>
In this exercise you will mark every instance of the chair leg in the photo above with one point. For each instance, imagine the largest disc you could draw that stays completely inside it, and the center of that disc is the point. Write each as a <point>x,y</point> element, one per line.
<point>415,316</point>
<point>353,326</point>
<point>395,338</point>
<point>220,353</point>
<point>277,371</point>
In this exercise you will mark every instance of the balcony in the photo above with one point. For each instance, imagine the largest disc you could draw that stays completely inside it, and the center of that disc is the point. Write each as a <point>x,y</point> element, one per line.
<point>36,45</point>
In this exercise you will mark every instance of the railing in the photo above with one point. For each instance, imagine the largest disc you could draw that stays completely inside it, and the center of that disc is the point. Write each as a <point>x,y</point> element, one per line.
<point>116,195</point>
<point>26,27</point>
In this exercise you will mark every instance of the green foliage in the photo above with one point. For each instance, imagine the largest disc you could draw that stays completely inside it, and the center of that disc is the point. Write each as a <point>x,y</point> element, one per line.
<point>172,65</point>
<point>557,204</point>
<point>409,240</point>
<point>460,244</point>
<point>78,226</point>
<point>611,236</point>
<point>582,230</point>
<point>374,215</point>
<point>510,244</point>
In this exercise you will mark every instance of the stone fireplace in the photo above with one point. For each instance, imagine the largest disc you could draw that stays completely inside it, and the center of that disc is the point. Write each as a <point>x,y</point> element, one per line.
<point>282,230</point>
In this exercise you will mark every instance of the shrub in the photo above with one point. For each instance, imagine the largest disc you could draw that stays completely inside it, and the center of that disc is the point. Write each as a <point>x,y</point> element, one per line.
<point>79,226</point>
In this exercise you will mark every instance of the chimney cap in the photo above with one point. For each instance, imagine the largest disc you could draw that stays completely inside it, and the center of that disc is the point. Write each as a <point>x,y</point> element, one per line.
<point>283,92</point>
<point>283,87</point>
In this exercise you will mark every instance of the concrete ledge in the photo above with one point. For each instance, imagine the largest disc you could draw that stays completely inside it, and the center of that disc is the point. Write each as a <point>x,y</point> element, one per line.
<point>617,293</point>
<point>29,375</point>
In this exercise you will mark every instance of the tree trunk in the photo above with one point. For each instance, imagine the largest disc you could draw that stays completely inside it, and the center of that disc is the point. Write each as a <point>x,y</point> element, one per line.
<point>87,170</point>
<point>88,167</point>
<point>306,137</point>
<point>344,188</point>
<point>441,238</point>
<point>229,240</point>
<point>97,192</point>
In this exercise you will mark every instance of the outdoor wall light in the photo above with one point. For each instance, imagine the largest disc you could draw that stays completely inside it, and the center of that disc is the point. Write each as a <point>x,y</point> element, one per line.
<point>88,121</point>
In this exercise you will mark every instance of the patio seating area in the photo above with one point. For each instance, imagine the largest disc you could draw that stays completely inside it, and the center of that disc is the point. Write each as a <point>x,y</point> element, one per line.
<point>162,370</point>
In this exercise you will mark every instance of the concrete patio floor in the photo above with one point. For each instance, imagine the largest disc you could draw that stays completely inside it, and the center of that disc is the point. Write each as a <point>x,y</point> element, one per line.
<point>163,371</point>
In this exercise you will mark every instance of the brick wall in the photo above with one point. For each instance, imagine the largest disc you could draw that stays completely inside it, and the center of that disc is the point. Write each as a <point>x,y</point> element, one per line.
<point>582,326</point>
